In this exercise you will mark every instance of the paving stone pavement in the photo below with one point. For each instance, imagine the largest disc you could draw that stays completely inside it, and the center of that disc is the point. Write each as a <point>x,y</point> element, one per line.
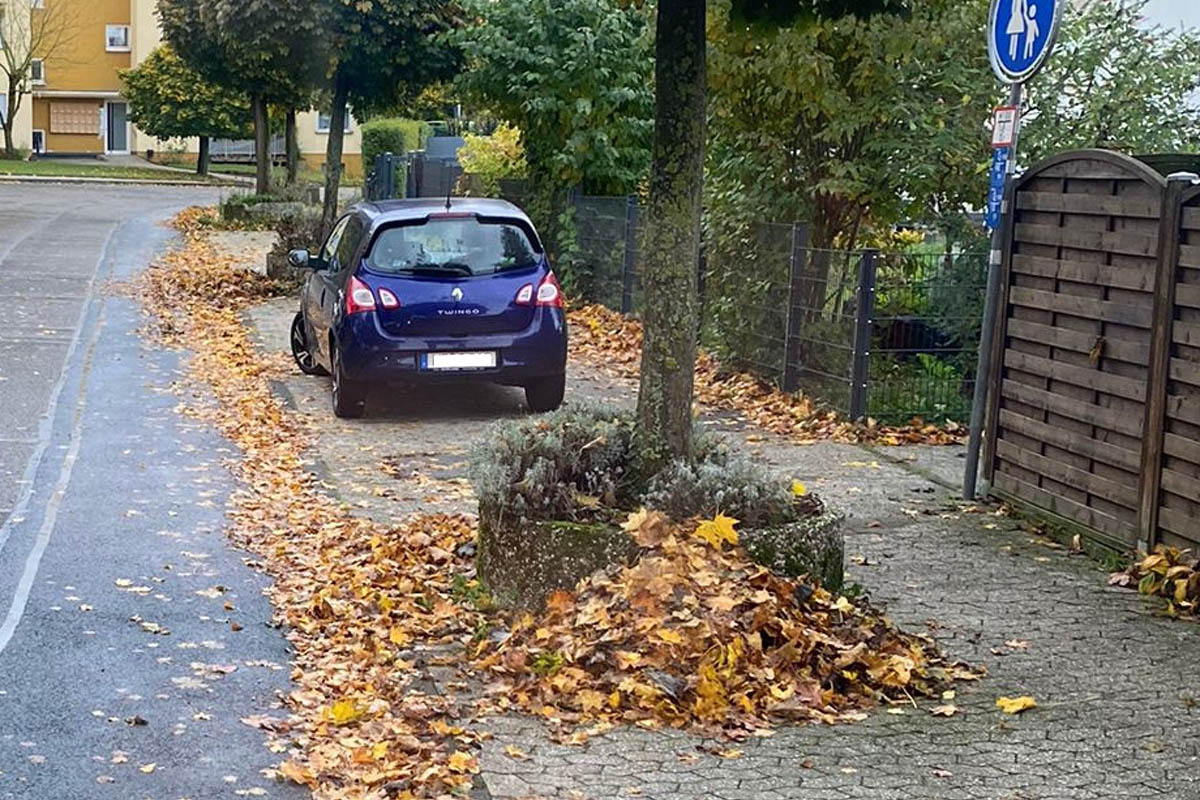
<point>1118,713</point>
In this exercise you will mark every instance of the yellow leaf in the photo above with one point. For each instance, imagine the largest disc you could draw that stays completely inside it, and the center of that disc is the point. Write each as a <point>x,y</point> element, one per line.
<point>344,711</point>
<point>844,605</point>
<point>147,768</point>
<point>1015,705</point>
<point>463,762</point>
<point>799,489</point>
<point>296,773</point>
<point>398,636</point>
<point>512,751</point>
<point>717,530</point>
<point>669,636</point>
<point>947,710</point>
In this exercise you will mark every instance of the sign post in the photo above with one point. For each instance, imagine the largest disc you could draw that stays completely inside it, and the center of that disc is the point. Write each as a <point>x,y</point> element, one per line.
<point>1021,34</point>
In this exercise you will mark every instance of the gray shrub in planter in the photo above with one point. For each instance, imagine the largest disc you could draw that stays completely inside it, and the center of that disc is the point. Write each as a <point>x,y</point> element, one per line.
<point>787,536</point>
<point>547,489</point>
<point>813,546</point>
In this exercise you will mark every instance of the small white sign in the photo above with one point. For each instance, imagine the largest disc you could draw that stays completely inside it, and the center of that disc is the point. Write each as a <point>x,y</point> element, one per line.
<point>1004,126</point>
<point>485,360</point>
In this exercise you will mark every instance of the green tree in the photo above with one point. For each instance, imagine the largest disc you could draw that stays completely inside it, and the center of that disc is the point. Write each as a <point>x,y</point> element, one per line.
<point>859,122</point>
<point>269,49</point>
<point>672,242</point>
<point>380,53</point>
<point>1115,83</point>
<point>574,76</point>
<point>168,99</point>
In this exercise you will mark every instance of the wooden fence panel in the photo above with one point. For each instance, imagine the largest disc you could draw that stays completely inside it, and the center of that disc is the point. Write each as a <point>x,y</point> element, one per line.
<point>1073,344</point>
<point>1177,520</point>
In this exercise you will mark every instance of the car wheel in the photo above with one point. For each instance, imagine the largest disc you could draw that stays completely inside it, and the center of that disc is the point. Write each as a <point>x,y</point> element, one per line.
<point>349,397</point>
<point>303,354</point>
<point>545,394</point>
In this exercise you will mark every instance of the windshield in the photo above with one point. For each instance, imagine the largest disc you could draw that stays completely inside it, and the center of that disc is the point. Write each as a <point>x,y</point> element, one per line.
<point>457,246</point>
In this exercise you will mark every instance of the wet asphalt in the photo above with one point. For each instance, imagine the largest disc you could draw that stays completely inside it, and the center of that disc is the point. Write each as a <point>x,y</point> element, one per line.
<point>133,638</point>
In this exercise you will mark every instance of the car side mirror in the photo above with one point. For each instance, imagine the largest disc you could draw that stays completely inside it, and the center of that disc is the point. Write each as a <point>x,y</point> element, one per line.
<point>300,259</point>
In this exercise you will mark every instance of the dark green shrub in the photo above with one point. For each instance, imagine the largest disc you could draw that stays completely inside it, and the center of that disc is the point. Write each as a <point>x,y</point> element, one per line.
<point>392,135</point>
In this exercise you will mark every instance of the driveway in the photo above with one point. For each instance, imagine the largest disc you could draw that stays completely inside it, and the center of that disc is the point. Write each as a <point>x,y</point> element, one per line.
<point>132,638</point>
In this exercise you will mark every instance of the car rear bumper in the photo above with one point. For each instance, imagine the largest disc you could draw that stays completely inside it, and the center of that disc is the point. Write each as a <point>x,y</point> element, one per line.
<point>371,354</point>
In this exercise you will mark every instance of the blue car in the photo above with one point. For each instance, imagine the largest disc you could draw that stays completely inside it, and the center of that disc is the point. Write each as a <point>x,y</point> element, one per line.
<point>424,290</point>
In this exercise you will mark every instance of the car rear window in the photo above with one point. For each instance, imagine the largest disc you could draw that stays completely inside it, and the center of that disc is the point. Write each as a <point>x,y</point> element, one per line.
<point>454,246</point>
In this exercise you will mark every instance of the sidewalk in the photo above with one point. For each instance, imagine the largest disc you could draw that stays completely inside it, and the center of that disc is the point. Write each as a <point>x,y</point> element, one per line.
<point>1115,685</point>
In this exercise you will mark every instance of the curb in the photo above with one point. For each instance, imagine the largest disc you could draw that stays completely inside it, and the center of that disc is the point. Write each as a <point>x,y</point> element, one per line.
<point>129,181</point>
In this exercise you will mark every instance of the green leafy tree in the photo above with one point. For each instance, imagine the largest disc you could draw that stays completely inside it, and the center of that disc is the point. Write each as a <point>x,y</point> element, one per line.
<point>169,99</point>
<point>1115,83</point>
<point>574,76</point>
<point>269,49</point>
<point>380,53</point>
<point>672,240</point>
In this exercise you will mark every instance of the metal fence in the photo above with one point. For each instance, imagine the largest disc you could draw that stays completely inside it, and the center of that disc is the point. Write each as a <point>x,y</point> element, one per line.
<point>885,335</point>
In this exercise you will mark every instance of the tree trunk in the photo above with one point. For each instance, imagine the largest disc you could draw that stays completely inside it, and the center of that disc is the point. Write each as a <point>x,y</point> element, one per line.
<point>333,153</point>
<point>203,158</point>
<point>262,145</point>
<point>293,148</point>
<point>672,238</point>
<point>10,113</point>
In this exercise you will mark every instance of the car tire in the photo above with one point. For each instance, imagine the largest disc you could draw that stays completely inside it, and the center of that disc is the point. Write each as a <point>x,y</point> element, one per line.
<point>301,351</point>
<point>545,394</point>
<point>349,397</point>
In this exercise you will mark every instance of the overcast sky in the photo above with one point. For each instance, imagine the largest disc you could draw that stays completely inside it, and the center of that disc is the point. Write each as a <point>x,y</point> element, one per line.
<point>1174,12</point>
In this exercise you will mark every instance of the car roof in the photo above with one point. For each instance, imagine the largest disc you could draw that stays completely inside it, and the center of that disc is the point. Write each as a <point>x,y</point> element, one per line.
<point>384,211</point>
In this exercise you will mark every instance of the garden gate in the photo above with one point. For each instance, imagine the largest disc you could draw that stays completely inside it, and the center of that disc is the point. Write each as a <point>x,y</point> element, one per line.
<point>1094,412</point>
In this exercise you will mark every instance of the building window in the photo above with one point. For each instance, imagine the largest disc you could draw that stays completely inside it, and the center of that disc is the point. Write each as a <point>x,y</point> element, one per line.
<point>323,122</point>
<point>75,118</point>
<point>37,71</point>
<point>3,107</point>
<point>116,38</point>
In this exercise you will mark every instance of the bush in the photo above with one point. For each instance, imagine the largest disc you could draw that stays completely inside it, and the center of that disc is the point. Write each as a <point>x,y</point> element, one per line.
<point>561,466</point>
<point>296,232</point>
<point>719,482</point>
<point>394,135</point>
<point>486,160</point>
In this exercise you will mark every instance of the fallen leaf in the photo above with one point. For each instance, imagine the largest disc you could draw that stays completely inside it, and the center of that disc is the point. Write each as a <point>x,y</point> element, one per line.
<point>1015,705</point>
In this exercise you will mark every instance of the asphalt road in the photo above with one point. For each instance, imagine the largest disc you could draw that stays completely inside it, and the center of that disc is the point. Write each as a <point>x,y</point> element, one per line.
<point>122,671</point>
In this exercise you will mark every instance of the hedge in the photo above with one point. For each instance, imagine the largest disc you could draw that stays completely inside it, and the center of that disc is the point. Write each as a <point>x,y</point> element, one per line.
<point>394,135</point>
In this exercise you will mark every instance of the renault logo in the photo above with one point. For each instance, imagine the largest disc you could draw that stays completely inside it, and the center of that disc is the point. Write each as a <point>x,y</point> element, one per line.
<point>456,294</point>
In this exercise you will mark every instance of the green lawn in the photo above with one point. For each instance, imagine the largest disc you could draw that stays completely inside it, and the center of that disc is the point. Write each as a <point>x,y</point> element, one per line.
<point>65,169</point>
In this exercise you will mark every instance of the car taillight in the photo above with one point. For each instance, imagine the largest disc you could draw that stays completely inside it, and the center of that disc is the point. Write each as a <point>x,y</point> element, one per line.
<point>524,295</point>
<point>387,299</point>
<point>358,297</point>
<point>548,292</point>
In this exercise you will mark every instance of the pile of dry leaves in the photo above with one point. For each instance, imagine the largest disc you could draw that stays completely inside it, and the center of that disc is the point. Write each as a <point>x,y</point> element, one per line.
<point>692,634</point>
<point>612,342</point>
<point>1167,572</point>
<point>695,634</point>
<point>354,594</point>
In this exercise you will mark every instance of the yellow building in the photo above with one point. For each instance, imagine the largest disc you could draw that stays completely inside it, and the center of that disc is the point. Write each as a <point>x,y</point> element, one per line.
<point>75,105</point>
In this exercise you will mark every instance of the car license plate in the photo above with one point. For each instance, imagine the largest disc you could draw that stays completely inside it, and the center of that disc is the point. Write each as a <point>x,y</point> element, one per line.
<point>451,361</point>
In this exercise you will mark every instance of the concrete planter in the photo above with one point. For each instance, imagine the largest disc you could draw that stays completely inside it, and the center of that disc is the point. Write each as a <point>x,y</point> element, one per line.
<point>521,561</point>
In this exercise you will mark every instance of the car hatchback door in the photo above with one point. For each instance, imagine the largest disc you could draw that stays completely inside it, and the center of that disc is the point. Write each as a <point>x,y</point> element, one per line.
<point>456,275</point>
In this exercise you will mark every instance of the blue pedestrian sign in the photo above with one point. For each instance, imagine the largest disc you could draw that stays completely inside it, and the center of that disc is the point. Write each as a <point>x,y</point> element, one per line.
<point>1021,34</point>
<point>996,190</point>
